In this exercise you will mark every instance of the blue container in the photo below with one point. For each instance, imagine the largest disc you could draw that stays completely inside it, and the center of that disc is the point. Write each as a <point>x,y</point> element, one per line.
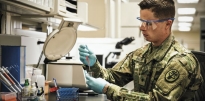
<point>67,94</point>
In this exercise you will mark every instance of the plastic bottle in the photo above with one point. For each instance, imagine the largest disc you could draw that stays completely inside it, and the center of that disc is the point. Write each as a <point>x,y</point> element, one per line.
<point>37,77</point>
<point>26,89</point>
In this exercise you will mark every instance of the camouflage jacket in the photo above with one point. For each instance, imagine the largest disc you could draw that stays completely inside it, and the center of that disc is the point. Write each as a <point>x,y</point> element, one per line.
<point>165,73</point>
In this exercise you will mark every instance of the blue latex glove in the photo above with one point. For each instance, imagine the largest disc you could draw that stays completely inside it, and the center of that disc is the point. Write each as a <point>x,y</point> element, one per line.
<point>95,84</point>
<point>84,51</point>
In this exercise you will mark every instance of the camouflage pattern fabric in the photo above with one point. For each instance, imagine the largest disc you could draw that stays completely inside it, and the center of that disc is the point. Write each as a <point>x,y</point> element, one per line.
<point>165,73</point>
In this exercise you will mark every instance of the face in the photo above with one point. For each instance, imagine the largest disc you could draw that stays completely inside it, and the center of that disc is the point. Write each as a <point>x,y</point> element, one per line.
<point>155,32</point>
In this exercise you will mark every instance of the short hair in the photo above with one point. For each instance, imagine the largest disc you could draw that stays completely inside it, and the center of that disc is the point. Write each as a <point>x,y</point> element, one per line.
<point>162,9</point>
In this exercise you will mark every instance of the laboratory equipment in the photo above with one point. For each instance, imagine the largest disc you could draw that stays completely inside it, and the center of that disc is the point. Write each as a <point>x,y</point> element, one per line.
<point>86,54</point>
<point>13,57</point>
<point>7,83</point>
<point>88,62</point>
<point>55,88</point>
<point>68,72</point>
<point>8,96</point>
<point>89,71</point>
<point>6,70</point>
<point>10,80</point>
<point>38,78</point>
<point>68,94</point>
<point>117,52</point>
<point>65,94</point>
<point>26,89</point>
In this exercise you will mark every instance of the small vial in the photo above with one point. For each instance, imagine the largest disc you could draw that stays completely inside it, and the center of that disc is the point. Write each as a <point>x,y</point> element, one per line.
<point>26,89</point>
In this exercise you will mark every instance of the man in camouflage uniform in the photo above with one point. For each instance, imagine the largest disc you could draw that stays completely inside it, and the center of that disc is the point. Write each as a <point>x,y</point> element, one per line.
<point>162,70</point>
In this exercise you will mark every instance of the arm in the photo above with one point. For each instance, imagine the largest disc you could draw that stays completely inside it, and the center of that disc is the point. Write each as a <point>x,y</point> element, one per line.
<point>172,84</point>
<point>181,86</point>
<point>120,74</point>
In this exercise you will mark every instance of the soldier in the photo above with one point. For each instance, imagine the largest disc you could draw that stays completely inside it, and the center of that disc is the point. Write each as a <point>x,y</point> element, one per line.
<point>162,70</point>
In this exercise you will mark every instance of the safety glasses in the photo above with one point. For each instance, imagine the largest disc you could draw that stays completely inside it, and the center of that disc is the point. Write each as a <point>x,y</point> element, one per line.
<point>147,24</point>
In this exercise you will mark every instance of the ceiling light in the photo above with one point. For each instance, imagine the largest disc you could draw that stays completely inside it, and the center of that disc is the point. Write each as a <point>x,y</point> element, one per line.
<point>184,28</point>
<point>186,10</point>
<point>187,1</point>
<point>183,24</point>
<point>185,18</point>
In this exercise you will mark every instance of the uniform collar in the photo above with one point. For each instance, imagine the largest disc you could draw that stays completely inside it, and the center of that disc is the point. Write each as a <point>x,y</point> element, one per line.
<point>160,51</point>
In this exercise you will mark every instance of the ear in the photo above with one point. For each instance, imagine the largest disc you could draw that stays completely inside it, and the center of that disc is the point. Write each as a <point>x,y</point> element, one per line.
<point>169,24</point>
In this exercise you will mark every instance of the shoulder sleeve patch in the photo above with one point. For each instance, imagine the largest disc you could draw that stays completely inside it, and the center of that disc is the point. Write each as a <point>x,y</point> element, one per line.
<point>171,77</point>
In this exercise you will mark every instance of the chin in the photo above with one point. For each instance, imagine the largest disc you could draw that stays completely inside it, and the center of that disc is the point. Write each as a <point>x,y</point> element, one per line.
<point>147,39</point>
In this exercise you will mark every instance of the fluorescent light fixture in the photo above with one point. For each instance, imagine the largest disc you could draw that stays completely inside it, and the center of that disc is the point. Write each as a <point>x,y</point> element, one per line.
<point>184,28</point>
<point>186,10</point>
<point>86,27</point>
<point>184,24</point>
<point>187,1</point>
<point>185,18</point>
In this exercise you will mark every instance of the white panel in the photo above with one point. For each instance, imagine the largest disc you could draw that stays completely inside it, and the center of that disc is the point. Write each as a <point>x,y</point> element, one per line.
<point>29,33</point>
<point>130,11</point>
<point>66,71</point>
<point>112,19</point>
<point>72,75</point>
<point>130,31</point>
<point>33,50</point>
<point>83,11</point>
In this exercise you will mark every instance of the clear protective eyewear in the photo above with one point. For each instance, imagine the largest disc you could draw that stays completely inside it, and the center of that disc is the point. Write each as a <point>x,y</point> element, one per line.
<point>151,23</point>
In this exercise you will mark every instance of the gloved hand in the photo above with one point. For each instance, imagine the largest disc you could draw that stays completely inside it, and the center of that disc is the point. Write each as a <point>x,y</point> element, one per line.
<point>84,52</point>
<point>95,84</point>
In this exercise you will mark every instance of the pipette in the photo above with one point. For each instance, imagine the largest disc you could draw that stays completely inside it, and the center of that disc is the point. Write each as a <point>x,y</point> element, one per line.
<point>11,81</point>
<point>2,81</point>
<point>89,71</point>
<point>8,83</point>
<point>55,84</point>
<point>87,58</point>
<point>6,70</point>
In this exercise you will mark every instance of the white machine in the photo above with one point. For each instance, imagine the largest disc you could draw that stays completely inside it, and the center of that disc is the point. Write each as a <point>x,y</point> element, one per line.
<point>68,73</point>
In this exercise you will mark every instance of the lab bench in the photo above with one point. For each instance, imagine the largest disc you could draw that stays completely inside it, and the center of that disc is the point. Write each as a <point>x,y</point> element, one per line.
<point>99,97</point>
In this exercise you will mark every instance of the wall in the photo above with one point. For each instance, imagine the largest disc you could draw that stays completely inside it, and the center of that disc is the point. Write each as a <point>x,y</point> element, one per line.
<point>191,39</point>
<point>96,17</point>
<point>129,23</point>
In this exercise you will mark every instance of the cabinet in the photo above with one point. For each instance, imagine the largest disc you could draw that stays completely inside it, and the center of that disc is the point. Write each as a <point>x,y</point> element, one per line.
<point>25,14</point>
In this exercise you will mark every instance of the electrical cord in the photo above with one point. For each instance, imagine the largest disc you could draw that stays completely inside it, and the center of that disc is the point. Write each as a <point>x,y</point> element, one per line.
<point>38,61</point>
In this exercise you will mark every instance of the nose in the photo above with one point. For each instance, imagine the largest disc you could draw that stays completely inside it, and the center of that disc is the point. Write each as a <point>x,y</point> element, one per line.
<point>142,28</point>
